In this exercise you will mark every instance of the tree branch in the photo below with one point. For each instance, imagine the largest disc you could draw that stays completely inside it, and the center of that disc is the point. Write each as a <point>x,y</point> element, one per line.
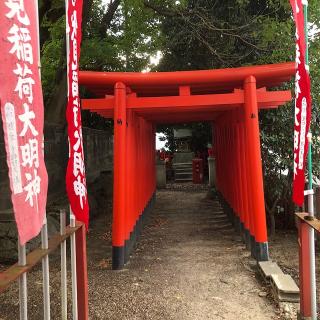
<point>108,17</point>
<point>160,10</point>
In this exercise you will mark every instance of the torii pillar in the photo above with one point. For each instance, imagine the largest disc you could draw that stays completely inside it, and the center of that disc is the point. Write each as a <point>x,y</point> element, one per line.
<point>119,176</point>
<point>254,170</point>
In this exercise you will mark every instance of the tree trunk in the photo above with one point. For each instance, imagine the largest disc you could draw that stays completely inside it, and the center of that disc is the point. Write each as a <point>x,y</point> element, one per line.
<point>56,106</point>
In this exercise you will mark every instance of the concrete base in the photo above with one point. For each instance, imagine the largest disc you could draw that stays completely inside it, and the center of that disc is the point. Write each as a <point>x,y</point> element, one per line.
<point>267,269</point>
<point>242,232</point>
<point>121,255</point>
<point>284,288</point>
<point>241,227</point>
<point>299,317</point>
<point>252,246</point>
<point>212,171</point>
<point>262,251</point>
<point>247,239</point>
<point>259,251</point>
<point>161,175</point>
<point>118,254</point>
<point>237,223</point>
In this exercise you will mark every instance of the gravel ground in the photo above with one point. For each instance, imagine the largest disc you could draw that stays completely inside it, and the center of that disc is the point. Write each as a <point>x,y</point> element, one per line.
<point>188,265</point>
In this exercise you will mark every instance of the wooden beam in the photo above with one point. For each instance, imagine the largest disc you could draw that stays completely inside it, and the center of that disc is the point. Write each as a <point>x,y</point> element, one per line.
<point>266,100</point>
<point>155,107</point>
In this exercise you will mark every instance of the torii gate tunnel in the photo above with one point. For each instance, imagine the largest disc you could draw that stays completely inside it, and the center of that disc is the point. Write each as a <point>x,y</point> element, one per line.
<point>228,98</point>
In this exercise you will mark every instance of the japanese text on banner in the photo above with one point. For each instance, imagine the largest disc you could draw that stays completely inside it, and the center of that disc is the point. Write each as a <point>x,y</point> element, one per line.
<point>75,178</point>
<point>302,105</point>
<point>22,114</point>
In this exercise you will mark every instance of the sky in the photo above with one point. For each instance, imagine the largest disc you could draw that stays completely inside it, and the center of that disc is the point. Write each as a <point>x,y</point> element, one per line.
<point>159,144</point>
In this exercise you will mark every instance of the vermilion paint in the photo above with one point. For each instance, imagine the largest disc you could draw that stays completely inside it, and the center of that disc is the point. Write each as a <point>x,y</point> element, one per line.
<point>228,98</point>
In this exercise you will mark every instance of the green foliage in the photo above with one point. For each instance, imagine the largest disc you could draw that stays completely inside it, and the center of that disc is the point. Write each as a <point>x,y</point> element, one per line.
<point>204,35</point>
<point>51,54</point>
<point>127,45</point>
<point>201,135</point>
<point>193,34</point>
<point>118,38</point>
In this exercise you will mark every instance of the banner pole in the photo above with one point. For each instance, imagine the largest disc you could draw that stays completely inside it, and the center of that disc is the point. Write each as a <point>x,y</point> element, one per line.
<point>310,196</point>
<point>73,268</point>
<point>45,272</point>
<point>44,229</point>
<point>72,216</point>
<point>23,294</point>
<point>64,288</point>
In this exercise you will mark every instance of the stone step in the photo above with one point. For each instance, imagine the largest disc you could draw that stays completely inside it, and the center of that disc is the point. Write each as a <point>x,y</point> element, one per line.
<point>182,175</point>
<point>177,174</point>
<point>183,170</point>
<point>182,165</point>
<point>284,288</point>
<point>183,180</point>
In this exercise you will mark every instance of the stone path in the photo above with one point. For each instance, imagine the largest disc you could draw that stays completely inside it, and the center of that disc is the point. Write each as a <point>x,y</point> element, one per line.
<point>188,265</point>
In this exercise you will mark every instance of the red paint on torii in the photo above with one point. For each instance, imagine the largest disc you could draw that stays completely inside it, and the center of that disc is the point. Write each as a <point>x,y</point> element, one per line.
<point>228,98</point>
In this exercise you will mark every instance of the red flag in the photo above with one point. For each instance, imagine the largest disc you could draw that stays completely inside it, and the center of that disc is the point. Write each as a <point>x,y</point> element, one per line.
<point>302,106</point>
<point>75,177</point>
<point>22,114</point>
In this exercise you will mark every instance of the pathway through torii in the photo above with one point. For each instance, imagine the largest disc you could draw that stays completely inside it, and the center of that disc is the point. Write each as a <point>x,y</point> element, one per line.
<point>229,98</point>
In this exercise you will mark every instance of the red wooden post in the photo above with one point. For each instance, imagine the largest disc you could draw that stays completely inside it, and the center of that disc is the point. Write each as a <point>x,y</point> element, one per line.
<point>82,274</point>
<point>245,188</point>
<point>218,156</point>
<point>140,166</point>
<point>154,183</point>
<point>239,176</point>
<point>130,219</point>
<point>238,173</point>
<point>255,166</point>
<point>304,270</point>
<point>234,173</point>
<point>225,173</point>
<point>119,184</point>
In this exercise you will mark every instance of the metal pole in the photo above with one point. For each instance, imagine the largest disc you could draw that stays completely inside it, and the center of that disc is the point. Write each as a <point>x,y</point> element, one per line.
<point>310,196</point>
<point>23,294</point>
<point>45,272</point>
<point>44,230</point>
<point>64,288</point>
<point>74,269</point>
<point>72,217</point>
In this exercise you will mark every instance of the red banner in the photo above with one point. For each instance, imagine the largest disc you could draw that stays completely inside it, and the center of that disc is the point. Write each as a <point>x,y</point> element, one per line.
<point>75,177</point>
<point>22,114</point>
<point>302,106</point>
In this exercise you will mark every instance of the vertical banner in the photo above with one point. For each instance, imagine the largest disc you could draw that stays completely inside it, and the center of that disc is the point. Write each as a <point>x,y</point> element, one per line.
<point>302,105</point>
<point>22,114</point>
<point>75,177</point>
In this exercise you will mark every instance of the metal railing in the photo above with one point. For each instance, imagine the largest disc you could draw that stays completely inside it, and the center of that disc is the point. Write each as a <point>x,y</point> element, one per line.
<point>76,231</point>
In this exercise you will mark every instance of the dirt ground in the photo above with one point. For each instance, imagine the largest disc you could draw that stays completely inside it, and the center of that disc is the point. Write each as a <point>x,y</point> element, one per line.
<point>188,265</point>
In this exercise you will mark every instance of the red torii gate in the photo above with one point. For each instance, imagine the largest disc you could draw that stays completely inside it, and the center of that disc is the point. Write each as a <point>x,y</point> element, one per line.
<point>228,98</point>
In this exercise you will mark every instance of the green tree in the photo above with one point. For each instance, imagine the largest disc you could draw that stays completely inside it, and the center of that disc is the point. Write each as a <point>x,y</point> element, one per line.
<point>119,37</point>
<point>202,34</point>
